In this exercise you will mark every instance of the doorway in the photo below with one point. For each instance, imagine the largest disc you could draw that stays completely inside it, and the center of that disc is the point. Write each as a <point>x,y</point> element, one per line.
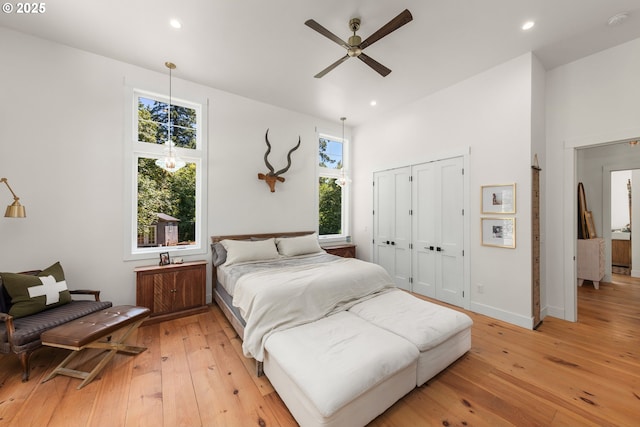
<point>597,168</point>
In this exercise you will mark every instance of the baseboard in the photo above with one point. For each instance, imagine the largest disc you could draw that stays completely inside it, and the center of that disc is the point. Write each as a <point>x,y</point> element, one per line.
<point>506,316</point>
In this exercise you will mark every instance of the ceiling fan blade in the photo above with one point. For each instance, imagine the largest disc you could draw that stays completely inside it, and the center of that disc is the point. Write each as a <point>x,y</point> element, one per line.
<point>331,67</point>
<point>381,69</point>
<point>328,34</point>
<point>397,22</point>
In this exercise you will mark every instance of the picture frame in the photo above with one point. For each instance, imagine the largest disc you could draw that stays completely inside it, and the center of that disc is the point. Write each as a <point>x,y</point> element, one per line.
<point>164,258</point>
<point>499,199</point>
<point>499,232</point>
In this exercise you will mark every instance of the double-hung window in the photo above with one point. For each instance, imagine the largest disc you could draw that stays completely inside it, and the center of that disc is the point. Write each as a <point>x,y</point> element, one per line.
<point>166,209</point>
<point>333,189</point>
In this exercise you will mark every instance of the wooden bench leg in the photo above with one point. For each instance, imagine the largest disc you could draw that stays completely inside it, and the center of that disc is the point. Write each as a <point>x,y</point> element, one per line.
<point>25,358</point>
<point>113,346</point>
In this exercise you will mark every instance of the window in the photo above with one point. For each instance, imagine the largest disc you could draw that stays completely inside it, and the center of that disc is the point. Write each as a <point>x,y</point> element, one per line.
<point>332,197</point>
<point>166,207</point>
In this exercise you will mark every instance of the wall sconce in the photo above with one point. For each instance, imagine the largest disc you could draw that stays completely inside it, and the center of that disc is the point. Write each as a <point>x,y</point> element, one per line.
<point>14,210</point>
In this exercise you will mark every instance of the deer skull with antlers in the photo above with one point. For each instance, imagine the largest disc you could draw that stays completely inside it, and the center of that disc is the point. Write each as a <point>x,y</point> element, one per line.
<point>271,177</point>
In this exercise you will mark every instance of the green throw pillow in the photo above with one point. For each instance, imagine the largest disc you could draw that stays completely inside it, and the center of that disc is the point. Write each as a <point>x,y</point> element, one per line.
<point>32,294</point>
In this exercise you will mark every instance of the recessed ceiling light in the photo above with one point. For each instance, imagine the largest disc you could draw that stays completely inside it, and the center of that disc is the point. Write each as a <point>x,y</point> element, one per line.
<point>175,23</point>
<point>618,18</point>
<point>373,103</point>
<point>528,25</point>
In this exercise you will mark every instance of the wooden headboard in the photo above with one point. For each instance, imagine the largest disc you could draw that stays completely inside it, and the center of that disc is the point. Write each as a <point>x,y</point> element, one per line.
<point>215,239</point>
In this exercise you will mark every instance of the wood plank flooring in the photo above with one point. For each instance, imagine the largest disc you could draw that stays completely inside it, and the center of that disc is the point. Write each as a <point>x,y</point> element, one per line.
<point>193,374</point>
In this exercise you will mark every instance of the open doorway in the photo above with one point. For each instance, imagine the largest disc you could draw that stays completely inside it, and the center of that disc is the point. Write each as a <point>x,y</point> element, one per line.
<point>597,168</point>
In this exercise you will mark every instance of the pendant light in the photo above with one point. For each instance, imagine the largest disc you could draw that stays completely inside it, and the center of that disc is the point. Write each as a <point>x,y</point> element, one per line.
<point>170,162</point>
<point>343,180</point>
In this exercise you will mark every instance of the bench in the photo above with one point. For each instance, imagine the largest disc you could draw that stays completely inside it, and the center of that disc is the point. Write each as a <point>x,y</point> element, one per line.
<point>340,370</point>
<point>442,335</point>
<point>349,367</point>
<point>21,336</point>
<point>107,329</point>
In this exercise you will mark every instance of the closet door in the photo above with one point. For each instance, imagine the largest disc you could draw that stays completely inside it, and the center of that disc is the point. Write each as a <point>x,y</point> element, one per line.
<point>425,239</point>
<point>392,223</point>
<point>438,197</point>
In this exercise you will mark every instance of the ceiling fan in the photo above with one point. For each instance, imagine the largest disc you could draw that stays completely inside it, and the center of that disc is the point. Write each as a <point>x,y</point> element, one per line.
<point>355,45</point>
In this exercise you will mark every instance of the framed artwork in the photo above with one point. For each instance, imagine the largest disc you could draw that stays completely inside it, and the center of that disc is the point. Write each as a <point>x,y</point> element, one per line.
<point>164,258</point>
<point>499,199</point>
<point>499,232</point>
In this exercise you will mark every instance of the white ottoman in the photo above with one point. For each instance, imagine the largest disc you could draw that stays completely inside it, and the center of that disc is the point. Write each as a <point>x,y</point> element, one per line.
<point>340,370</point>
<point>441,334</point>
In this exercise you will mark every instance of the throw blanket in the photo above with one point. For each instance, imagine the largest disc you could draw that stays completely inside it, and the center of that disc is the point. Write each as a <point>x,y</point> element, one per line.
<point>279,299</point>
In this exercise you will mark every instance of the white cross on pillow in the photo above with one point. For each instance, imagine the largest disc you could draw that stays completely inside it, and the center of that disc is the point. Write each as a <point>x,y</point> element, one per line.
<point>50,288</point>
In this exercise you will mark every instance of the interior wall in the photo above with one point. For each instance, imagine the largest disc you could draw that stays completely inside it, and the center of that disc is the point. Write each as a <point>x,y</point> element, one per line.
<point>62,139</point>
<point>489,114</point>
<point>588,102</point>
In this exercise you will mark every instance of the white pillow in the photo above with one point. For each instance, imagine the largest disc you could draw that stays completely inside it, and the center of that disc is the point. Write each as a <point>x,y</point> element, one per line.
<point>302,245</point>
<point>246,250</point>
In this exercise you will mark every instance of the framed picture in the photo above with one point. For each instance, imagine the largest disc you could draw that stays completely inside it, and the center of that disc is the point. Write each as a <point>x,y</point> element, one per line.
<point>499,199</point>
<point>499,232</point>
<point>164,258</point>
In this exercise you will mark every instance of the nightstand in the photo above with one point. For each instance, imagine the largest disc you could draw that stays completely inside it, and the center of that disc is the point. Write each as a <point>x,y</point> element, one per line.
<point>345,250</point>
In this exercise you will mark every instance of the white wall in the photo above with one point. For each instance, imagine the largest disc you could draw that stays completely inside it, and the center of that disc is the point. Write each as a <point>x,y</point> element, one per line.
<point>590,101</point>
<point>491,115</point>
<point>61,147</point>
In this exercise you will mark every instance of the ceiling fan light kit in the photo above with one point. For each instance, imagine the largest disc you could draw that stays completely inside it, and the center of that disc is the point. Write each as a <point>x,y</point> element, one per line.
<point>355,45</point>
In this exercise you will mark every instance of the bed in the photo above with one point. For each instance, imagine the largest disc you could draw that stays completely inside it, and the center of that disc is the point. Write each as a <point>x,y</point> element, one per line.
<point>320,326</point>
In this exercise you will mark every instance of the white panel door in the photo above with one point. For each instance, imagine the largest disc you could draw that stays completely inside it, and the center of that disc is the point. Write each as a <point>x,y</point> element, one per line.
<point>424,229</point>
<point>438,196</point>
<point>449,285</point>
<point>392,223</point>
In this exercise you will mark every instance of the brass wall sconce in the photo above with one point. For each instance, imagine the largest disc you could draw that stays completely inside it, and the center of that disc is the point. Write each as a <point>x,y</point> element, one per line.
<point>14,210</point>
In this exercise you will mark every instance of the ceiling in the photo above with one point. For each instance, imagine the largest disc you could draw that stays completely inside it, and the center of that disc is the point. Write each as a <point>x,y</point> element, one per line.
<point>262,49</point>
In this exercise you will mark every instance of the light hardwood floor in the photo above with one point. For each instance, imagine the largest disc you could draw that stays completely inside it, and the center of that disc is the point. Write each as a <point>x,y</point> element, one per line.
<point>564,374</point>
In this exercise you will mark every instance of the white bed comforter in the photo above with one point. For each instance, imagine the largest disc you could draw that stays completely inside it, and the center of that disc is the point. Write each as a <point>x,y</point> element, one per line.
<point>282,298</point>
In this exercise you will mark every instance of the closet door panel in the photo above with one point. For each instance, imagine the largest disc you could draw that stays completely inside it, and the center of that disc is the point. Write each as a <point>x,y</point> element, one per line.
<point>450,221</point>
<point>424,230</point>
<point>383,220</point>
<point>402,238</point>
<point>392,226</point>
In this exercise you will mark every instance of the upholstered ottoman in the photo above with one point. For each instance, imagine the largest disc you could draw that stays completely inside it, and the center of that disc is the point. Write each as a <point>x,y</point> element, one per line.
<point>441,334</point>
<point>340,370</point>
<point>107,329</point>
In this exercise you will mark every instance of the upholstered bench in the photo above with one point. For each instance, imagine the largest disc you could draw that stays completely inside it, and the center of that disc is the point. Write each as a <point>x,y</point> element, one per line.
<point>97,330</point>
<point>20,334</point>
<point>441,334</point>
<point>340,370</point>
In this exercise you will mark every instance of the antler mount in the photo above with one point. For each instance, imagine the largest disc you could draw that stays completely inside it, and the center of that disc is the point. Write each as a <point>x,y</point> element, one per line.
<point>272,177</point>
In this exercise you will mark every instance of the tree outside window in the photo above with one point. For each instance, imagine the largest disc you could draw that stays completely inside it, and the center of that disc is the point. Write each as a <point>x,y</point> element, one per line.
<point>331,197</point>
<point>166,201</point>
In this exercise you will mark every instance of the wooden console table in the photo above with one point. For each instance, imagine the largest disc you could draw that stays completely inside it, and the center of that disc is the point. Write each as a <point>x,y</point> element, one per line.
<point>173,290</point>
